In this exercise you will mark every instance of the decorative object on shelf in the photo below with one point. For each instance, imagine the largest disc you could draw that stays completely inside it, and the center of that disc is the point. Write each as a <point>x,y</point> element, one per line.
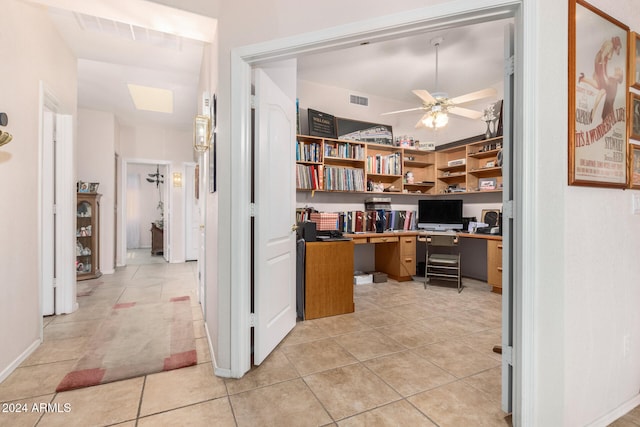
<point>492,116</point>
<point>485,184</point>
<point>491,217</point>
<point>597,109</point>
<point>83,187</point>
<point>93,187</point>
<point>201,133</point>
<point>438,105</point>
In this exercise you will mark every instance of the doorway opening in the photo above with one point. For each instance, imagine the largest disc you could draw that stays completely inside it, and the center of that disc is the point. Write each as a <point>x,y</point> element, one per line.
<point>146,204</point>
<point>254,56</point>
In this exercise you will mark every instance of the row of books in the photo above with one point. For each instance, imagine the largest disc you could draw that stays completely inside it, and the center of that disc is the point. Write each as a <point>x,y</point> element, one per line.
<point>390,164</point>
<point>376,221</point>
<point>309,177</point>
<point>304,214</point>
<point>308,152</point>
<point>345,151</point>
<point>343,179</point>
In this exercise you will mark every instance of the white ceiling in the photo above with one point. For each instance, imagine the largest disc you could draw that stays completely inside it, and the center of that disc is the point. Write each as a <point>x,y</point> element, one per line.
<point>470,59</point>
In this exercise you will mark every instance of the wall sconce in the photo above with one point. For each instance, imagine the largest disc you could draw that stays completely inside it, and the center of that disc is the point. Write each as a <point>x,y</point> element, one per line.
<point>201,133</point>
<point>5,137</point>
<point>177,179</point>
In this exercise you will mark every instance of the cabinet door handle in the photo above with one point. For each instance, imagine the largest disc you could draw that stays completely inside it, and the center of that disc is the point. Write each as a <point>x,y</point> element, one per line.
<point>384,239</point>
<point>408,259</point>
<point>499,246</point>
<point>500,269</point>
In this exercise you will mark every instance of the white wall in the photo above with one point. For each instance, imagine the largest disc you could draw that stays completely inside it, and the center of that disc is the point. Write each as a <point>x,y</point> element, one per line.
<point>95,154</point>
<point>602,250</point>
<point>31,51</point>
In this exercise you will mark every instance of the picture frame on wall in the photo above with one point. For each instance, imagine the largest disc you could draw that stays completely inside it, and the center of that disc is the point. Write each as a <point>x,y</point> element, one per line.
<point>598,66</point>
<point>634,173</point>
<point>634,117</point>
<point>634,60</point>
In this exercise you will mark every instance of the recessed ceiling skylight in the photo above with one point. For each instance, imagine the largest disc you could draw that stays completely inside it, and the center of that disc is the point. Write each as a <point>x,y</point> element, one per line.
<point>151,98</point>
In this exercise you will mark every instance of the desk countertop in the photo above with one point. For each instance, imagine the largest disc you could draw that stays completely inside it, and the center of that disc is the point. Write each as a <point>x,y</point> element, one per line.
<point>420,233</point>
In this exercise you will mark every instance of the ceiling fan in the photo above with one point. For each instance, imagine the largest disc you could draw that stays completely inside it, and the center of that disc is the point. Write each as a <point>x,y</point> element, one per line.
<point>438,105</point>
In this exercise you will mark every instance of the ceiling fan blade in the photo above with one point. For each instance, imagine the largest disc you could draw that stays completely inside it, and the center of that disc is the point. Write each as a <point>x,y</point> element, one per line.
<point>484,93</point>
<point>420,123</point>
<point>402,111</point>
<point>465,112</point>
<point>424,95</point>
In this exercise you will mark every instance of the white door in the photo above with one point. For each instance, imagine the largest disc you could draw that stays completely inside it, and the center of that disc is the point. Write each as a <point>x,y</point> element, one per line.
<point>48,214</point>
<point>507,224</point>
<point>192,214</point>
<point>274,236</point>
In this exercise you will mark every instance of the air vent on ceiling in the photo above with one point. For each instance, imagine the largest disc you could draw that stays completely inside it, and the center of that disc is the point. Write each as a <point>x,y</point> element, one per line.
<point>359,100</point>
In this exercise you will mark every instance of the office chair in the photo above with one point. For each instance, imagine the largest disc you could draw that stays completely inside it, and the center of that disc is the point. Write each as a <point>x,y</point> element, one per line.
<point>442,265</point>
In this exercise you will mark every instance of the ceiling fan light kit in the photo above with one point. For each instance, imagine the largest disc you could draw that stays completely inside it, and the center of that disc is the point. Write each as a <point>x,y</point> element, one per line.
<point>437,105</point>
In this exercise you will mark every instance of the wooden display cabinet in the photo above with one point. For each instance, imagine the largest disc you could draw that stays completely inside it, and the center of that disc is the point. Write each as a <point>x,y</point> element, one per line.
<point>384,165</point>
<point>483,164</point>
<point>451,169</point>
<point>422,165</point>
<point>88,236</point>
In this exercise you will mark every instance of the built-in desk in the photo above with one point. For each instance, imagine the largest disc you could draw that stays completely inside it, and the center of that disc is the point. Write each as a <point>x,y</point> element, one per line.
<point>395,253</point>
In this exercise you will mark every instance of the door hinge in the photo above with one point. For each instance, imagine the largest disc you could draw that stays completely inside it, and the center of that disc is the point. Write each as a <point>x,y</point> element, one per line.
<point>252,210</point>
<point>55,209</point>
<point>507,209</point>
<point>253,101</point>
<point>252,320</point>
<point>507,355</point>
<point>509,66</point>
<point>55,283</point>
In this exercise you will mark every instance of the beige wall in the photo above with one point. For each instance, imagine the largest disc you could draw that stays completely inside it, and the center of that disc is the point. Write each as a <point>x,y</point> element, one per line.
<point>31,51</point>
<point>95,153</point>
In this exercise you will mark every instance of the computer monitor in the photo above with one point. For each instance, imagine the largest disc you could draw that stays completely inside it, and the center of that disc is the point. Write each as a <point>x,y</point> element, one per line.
<point>440,214</point>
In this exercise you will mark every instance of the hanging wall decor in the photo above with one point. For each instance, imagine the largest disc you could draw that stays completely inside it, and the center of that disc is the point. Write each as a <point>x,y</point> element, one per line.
<point>598,75</point>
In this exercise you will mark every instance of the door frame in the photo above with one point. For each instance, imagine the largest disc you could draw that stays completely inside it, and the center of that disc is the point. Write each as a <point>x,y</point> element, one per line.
<point>65,289</point>
<point>122,232</point>
<point>525,119</point>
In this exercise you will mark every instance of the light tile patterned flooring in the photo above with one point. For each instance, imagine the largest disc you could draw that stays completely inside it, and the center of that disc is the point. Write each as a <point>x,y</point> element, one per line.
<point>407,356</point>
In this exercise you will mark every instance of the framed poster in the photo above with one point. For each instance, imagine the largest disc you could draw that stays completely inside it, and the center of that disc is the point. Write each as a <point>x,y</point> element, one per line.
<point>598,70</point>
<point>321,124</point>
<point>355,130</point>
<point>634,117</point>
<point>634,152</point>
<point>634,60</point>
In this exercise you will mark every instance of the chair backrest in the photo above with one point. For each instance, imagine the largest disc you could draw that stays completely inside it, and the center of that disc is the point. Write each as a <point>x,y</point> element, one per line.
<point>442,240</point>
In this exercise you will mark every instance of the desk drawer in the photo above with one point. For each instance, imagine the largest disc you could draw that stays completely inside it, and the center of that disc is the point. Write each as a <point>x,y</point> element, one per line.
<point>359,240</point>
<point>389,239</point>
<point>407,246</point>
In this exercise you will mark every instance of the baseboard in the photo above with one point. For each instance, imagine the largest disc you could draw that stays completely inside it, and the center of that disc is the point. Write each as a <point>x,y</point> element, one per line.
<point>218,371</point>
<point>13,365</point>
<point>618,412</point>
<point>108,271</point>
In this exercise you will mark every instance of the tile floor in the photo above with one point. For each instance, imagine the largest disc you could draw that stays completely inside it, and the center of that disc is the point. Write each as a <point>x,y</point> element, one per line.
<point>405,357</point>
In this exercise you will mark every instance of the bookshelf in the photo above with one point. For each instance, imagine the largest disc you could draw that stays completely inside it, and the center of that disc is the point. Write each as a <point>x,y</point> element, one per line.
<point>333,165</point>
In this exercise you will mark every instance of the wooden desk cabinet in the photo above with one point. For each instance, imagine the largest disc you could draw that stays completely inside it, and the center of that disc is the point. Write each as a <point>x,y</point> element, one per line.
<point>328,279</point>
<point>494,264</point>
<point>396,256</point>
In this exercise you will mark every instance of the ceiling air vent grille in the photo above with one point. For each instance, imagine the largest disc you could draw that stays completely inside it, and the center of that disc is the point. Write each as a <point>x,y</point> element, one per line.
<point>359,100</point>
